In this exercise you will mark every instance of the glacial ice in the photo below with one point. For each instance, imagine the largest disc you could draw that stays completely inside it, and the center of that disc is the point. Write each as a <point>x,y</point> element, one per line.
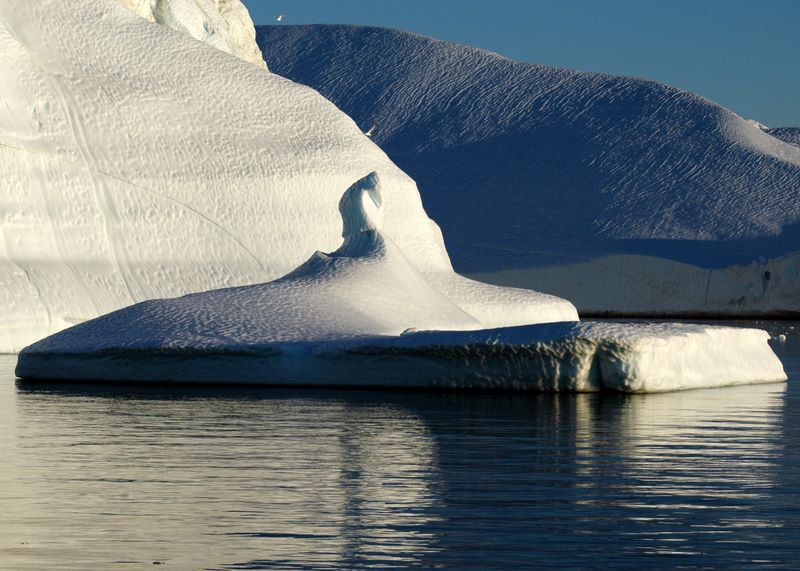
<point>137,163</point>
<point>624,196</point>
<point>364,316</point>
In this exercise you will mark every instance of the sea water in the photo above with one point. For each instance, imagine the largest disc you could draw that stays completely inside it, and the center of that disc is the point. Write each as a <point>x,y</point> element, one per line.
<point>125,477</point>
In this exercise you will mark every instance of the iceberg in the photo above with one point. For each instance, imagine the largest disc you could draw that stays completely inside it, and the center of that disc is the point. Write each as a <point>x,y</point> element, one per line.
<point>139,161</point>
<point>146,158</point>
<point>625,196</point>
<point>365,317</point>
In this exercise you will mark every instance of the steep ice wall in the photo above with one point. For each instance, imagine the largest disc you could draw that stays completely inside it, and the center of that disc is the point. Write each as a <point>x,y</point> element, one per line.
<point>620,194</point>
<point>224,24</point>
<point>137,163</point>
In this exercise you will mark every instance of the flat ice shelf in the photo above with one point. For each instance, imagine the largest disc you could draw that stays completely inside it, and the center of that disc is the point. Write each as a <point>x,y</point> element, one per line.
<point>570,357</point>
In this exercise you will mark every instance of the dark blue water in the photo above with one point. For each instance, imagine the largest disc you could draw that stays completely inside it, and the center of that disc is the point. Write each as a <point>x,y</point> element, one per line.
<point>94,477</point>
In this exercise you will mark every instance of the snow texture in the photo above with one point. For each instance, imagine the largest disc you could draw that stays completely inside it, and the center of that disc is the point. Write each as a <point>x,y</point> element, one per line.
<point>224,24</point>
<point>661,200</point>
<point>364,316</point>
<point>138,163</point>
<point>786,134</point>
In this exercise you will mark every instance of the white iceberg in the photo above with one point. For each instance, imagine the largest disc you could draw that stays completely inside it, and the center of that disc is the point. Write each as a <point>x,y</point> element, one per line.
<point>364,316</point>
<point>137,162</point>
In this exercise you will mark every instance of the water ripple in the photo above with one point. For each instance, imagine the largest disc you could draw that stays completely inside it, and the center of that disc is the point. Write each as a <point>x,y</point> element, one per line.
<point>100,477</point>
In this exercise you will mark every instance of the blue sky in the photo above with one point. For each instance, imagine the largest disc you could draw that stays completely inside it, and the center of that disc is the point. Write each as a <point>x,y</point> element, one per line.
<point>741,53</point>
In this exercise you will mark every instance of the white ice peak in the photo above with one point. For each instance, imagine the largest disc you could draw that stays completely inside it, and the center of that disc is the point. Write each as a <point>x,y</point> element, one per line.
<point>361,207</point>
<point>224,24</point>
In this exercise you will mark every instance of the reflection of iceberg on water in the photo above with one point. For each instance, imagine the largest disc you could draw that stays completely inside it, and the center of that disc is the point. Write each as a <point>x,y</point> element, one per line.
<point>332,478</point>
<point>365,316</point>
<point>745,422</point>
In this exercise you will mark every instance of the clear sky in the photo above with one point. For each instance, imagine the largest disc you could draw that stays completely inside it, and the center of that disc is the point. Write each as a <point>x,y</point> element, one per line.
<point>741,53</point>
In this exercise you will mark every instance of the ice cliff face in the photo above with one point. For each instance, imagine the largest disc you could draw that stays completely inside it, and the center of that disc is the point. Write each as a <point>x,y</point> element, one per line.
<point>224,24</point>
<point>138,163</point>
<point>622,195</point>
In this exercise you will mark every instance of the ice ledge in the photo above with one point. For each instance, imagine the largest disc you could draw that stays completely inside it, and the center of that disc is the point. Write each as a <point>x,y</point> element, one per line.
<point>556,357</point>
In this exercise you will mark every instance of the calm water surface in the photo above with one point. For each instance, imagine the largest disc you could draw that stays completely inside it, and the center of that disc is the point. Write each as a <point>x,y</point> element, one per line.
<point>97,477</point>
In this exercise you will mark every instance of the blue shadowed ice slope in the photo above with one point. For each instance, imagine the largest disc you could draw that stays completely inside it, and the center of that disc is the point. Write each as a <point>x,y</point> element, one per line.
<point>524,165</point>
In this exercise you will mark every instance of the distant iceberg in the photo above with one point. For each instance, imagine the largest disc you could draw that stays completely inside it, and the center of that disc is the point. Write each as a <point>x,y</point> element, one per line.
<point>623,195</point>
<point>364,316</point>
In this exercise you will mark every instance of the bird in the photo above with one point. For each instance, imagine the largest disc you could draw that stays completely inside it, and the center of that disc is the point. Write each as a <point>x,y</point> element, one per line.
<point>371,129</point>
<point>280,17</point>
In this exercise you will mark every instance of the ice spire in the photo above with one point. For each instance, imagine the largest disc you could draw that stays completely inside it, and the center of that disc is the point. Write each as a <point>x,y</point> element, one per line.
<point>361,207</point>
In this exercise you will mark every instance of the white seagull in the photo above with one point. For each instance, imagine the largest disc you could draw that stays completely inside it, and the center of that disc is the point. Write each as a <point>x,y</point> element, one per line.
<point>371,129</point>
<point>280,18</point>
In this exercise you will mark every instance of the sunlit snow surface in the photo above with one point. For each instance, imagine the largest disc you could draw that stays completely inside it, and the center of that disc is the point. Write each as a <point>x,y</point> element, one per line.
<point>620,194</point>
<point>364,316</point>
